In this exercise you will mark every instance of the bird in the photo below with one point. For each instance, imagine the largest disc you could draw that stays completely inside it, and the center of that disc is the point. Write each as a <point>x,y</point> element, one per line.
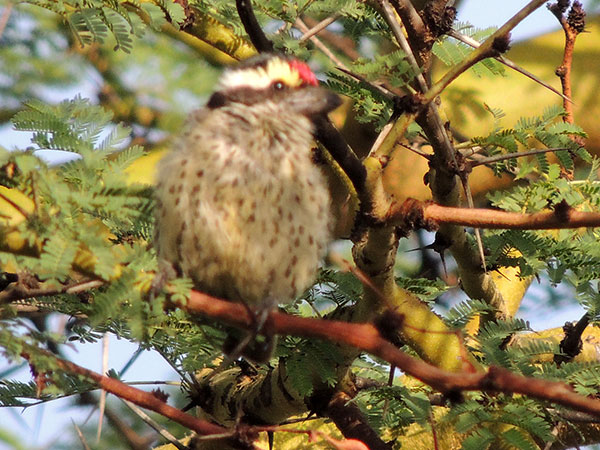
<point>241,207</point>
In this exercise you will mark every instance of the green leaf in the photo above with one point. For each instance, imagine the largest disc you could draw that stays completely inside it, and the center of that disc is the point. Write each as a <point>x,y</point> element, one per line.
<point>517,439</point>
<point>479,440</point>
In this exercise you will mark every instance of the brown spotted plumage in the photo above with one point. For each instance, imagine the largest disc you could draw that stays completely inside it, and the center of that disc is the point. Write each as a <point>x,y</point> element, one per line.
<point>242,209</point>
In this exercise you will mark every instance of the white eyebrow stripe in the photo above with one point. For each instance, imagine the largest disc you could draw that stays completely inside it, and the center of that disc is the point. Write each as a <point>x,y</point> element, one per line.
<point>253,78</point>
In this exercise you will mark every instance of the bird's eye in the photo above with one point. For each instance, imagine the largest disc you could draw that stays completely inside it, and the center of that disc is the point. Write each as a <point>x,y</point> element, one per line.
<point>278,85</point>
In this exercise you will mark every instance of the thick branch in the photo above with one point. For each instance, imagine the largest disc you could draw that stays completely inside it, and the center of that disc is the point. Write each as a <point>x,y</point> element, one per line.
<point>419,37</point>
<point>366,337</point>
<point>571,345</point>
<point>335,144</point>
<point>221,37</point>
<point>348,417</point>
<point>430,214</point>
<point>476,282</point>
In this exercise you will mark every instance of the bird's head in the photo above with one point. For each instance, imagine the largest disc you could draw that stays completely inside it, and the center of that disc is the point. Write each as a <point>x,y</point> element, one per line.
<point>277,79</point>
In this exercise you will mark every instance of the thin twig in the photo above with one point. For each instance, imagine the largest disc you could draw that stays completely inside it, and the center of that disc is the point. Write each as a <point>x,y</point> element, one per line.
<point>427,156</point>
<point>342,43</point>
<point>478,239</point>
<point>141,398</point>
<point>142,383</point>
<point>381,89</point>
<point>431,420</point>
<point>18,292</point>
<point>81,436</point>
<point>340,64</point>
<point>493,45</point>
<point>395,26</point>
<point>155,425</point>
<point>507,62</point>
<point>555,432</point>
<point>128,435</point>
<point>318,27</point>
<point>497,158</point>
<point>84,286</point>
<point>383,134</point>
<point>572,24</point>
<point>390,382</point>
<point>315,40</point>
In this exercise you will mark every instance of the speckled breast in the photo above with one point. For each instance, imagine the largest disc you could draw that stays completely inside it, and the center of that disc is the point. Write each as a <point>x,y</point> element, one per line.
<point>244,224</point>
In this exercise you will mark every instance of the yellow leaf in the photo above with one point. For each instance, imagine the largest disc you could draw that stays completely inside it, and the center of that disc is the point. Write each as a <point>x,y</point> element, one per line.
<point>14,206</point>
<point>143,169</point>
<point>518,96</point>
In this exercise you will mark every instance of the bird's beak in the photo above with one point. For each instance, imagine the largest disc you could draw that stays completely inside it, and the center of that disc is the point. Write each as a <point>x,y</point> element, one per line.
<point>313,100</point>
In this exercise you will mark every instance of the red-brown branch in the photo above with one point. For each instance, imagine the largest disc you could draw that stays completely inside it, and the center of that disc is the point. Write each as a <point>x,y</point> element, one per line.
<point>141,398</point>
<point>350,420</point>
<point>414,213</point>
<point>572,24</point>
<point>366,337</point>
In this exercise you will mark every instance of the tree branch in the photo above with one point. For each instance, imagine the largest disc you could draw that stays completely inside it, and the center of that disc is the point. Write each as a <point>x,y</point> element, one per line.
<point>366,337</point>
<point>335,144</point>
<point>502,157</point>
<point>427,215</point>
<point>319,27</point>
<point>419,37</point>
<point>325,132</point>
<point>144,399</point>
<point>491,47</point>
<point>507,62</point>
<point>348,417</point>
<point>342,43</point>
<point>572,24</point>
<point>255,32</point>
<point>214,33</point>
<point>396,28</point>
<point>571,345</point>
<point>20,290</point>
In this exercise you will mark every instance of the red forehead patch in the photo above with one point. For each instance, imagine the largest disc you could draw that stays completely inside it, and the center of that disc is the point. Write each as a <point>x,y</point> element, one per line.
<point>306,75</point>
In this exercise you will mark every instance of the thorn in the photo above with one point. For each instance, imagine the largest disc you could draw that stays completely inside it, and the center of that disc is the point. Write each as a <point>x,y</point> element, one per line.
<point>155,425</point>
<point>469,196</point>
<point>270,439</point>
<point>105,342</point>
<point>81,436</point>
<point>439,245</point>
